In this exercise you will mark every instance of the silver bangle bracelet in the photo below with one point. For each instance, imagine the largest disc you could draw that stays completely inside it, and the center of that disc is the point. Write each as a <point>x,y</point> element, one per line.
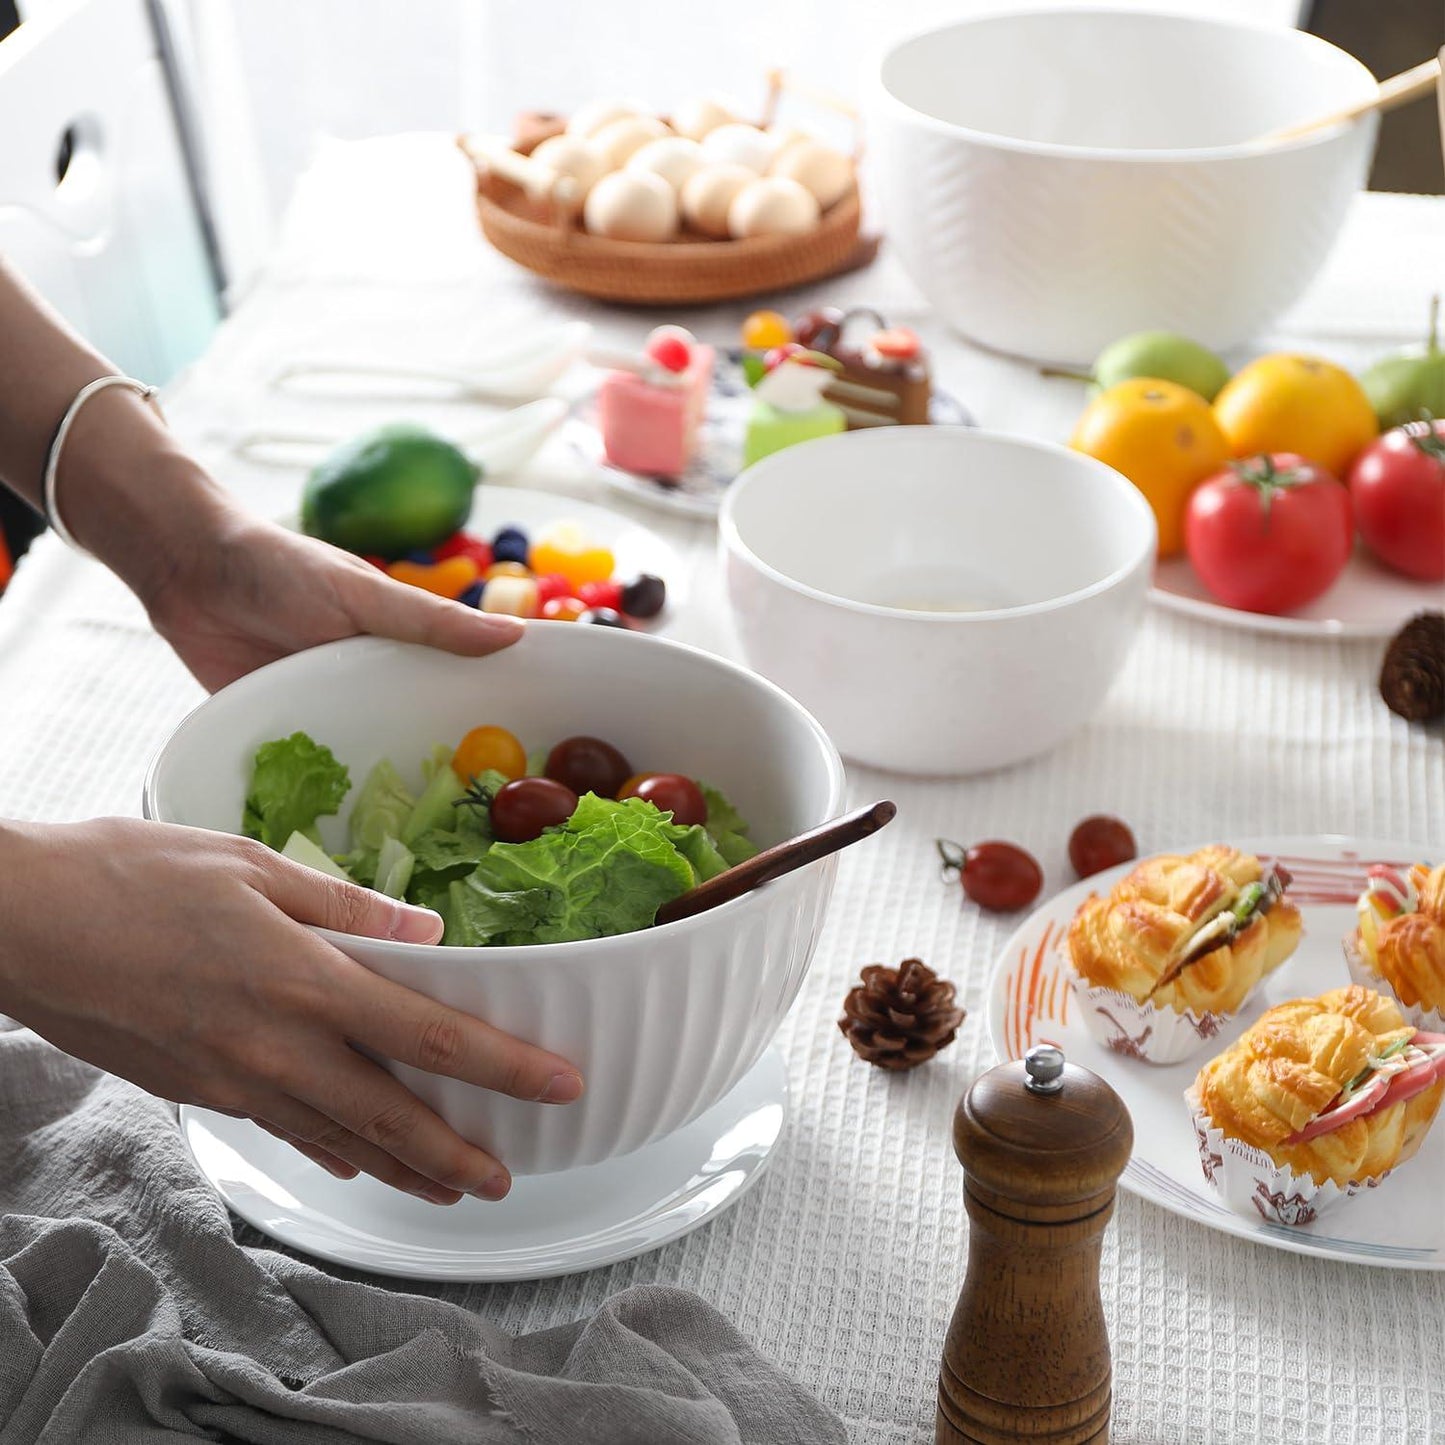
<point>52,461</point>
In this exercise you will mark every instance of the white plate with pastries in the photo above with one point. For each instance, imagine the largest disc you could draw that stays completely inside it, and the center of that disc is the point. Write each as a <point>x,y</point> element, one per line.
<point>1398,1224</point>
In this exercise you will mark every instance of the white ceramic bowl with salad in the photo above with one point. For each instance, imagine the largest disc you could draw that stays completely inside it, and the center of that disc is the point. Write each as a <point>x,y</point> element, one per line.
<point>945,600</point>
<point>662,1022</point>
<point>1054,179</point>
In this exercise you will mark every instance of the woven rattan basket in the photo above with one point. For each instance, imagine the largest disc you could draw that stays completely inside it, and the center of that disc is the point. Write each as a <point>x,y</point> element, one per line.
<point>548,239</point>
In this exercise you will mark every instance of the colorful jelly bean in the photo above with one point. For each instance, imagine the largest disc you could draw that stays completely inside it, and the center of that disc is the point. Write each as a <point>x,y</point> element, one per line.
<point>463,544</point>
<point>472,597</point>
<point>565,548</point>
<point>514,595</point>
<point>602,594</point>
<point>510,545</point>
<point>550,585</point>
<point>447,579</point>
<point>563,609</point>
<point>506,569</point>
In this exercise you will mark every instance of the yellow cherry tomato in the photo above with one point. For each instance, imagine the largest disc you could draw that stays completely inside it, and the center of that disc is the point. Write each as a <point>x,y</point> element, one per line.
<point>487,748</point>
<point>765,329</point>
<point>448,578</point>
<point>1286,403</point>
<point>1160,435</point>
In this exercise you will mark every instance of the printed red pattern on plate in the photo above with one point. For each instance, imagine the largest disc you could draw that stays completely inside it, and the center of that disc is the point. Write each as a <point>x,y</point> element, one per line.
<point>1328,880</point>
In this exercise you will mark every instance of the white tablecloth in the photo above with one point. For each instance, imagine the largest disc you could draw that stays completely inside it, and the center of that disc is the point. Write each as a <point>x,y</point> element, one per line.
<point>844,1264</point>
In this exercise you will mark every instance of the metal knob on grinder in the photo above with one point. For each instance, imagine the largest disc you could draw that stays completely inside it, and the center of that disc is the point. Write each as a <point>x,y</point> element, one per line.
<point>1042,1143</point>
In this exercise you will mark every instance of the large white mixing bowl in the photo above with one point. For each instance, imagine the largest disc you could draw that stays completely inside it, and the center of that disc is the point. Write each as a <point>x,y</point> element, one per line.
<point>661,1023</point>
<point>1053,180</point>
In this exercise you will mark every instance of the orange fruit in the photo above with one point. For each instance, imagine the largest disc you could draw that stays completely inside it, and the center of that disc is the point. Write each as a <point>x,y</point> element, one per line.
<point>1286,403</point>
<point>1160,435</point>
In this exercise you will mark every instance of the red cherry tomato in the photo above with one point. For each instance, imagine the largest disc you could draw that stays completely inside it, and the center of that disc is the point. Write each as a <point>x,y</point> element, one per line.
<point>998,876</point>
<point>1270,534</point>
<point>671,793</point>
<point>588,765</point>
<point>1398,488</point>
<point>524,808</point>
<point>1100,842</point>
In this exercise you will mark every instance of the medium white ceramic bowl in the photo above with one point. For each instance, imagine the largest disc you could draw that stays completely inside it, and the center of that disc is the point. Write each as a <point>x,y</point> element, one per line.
<point>661,1023</point>
<point>944,600</point>
<point>1054,180</point>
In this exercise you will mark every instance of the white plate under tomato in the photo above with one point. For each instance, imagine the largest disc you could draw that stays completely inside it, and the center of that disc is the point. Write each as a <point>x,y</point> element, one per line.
<point>1400,1225</point>
<point>1367,600</point>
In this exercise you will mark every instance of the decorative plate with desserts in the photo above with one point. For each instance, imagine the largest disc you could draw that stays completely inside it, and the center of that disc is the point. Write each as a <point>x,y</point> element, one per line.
<point>676,421</point>
<point>1273,1015</point>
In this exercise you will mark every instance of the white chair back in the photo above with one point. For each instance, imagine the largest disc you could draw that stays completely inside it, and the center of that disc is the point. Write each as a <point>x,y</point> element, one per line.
<point>110,237</point>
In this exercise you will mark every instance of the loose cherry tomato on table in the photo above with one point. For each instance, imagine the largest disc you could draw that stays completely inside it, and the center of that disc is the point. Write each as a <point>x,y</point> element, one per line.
<point>524,808</point>
<point>1398,488</point>
<point>671,793</point>
<point>489,748</point>
<point>588,765</point>
<point>1100,842</point>
<point>998,876</point>
<point>1269,534</point>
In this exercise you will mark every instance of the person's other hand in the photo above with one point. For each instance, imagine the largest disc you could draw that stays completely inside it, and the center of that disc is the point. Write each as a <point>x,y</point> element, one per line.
<point>251,592</point>
<point>177,958</point>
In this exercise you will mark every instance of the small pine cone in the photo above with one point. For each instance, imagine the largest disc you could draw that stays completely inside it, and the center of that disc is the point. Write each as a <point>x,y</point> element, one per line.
<point>900,1017</point>
<point>1412,679</point>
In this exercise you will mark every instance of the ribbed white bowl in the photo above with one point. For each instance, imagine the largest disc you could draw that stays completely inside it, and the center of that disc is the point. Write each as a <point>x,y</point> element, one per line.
<point>661,1023</point>
<point>1053,180</point>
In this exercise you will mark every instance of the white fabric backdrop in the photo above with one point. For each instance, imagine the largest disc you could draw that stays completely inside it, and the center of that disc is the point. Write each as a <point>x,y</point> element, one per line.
<point>275,78</point>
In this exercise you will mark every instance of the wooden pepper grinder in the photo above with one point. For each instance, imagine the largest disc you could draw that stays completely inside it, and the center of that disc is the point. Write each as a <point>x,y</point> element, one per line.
<point>1042,1143</point>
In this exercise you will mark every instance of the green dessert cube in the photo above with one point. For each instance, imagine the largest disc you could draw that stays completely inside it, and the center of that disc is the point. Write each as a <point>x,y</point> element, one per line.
<point>770,430</point>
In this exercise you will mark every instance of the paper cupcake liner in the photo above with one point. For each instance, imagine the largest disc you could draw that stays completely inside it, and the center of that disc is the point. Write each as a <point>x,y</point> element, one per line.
<point>1251,1183</point>
<point>1144,1031</point>
<point>1432,1021</point>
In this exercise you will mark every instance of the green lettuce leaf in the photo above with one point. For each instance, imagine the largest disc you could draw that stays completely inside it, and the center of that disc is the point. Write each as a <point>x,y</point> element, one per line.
<point>381,808</point>
<point>294,781</point>
<point>726,828</point>
<point>607,870</point>
<point>477,915</point>
<point>361,864</point>
<point>699,850</point>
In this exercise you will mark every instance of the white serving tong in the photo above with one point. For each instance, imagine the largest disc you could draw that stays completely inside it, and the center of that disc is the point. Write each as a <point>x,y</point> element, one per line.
<point>515,372</point>
<point>505,444</point>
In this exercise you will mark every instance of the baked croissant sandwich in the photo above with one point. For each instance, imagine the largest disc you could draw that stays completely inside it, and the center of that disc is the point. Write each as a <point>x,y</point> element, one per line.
<point>1338,1087</point>
<point>1188,932</point>
<point>1401,938</point>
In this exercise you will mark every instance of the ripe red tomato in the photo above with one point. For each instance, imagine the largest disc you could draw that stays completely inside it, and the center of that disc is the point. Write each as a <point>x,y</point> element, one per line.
<point>1270,534</point>
<point>670,793</point>
<point>525,807</point>
<point>1398,488</point>
<point>588,765</point>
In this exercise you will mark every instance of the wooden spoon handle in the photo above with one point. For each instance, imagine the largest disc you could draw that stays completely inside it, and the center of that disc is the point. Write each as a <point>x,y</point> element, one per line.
<point>780,859</point>
<point>1396,91</point>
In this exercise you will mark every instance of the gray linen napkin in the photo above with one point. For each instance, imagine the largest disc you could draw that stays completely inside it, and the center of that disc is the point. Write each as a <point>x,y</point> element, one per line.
<point>129,1315</point>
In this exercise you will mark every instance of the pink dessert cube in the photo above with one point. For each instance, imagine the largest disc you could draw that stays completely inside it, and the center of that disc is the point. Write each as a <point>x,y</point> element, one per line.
<point>651,428</point>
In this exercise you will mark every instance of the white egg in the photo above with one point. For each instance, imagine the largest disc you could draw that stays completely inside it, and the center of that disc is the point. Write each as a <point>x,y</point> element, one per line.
<point>673,157</point>
<point>620,140</point>
<point>708,194</point>
<point>772,206</point>
<point>783,136</point>
<point>696,118</point>
<point>589,119</point>
<point>569,156</point>
<point>818,168</point>
<point>631,206</point>
<point>745,145</point>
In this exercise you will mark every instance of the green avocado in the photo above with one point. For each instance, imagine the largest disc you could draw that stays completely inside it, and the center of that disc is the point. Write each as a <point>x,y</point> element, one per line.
<point>396,490</point>
<point>1163,355</point>
<point>1409,386</point>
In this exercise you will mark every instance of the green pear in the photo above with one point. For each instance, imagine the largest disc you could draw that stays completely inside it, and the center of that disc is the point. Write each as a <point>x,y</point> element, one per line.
<point>1411,384</point>
<point>1160,354</point>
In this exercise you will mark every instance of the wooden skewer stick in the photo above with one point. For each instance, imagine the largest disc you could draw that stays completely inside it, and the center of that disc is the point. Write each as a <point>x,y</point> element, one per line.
<point>1398,90</point>
<point>782,858</point>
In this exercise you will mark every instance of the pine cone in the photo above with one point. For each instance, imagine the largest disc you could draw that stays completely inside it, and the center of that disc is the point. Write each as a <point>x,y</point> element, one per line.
<point>1412,679</point>
<point>900,1017</point>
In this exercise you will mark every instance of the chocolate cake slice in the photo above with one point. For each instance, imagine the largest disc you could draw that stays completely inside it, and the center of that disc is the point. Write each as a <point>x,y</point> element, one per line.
<point>885,380</point>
